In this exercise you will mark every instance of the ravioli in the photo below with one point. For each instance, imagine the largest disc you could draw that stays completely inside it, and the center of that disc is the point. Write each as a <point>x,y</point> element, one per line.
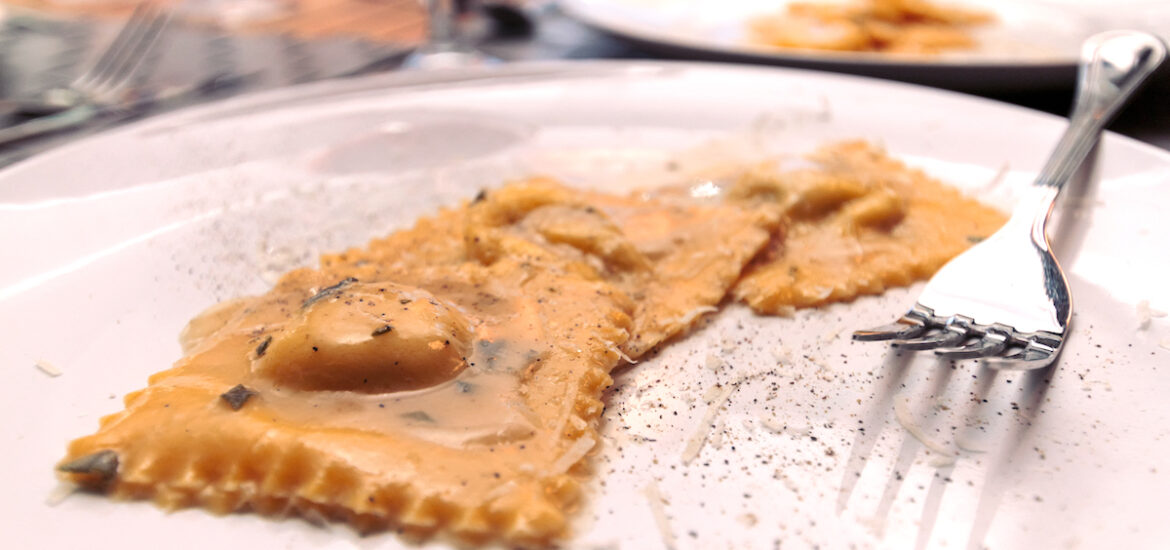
<point>858,222</point>
<point>675,257</point>
<point>889,26</point>
<point>446,378</point>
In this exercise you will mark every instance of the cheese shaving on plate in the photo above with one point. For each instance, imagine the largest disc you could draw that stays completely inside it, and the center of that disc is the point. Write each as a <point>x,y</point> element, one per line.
<point>654,498</point>
<point>713,362</point>
<point>695,443</point>
<point>1145,314</point>
<point>59,493</point>
<point>48,368</point>
<point>967,442</point>
<point>902,412</point>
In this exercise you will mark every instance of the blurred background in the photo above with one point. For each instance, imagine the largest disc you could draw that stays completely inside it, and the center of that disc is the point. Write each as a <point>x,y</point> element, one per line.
<point>196,51</point>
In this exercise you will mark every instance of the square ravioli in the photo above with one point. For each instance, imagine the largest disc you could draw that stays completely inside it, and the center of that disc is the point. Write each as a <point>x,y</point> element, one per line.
<point>444,379</point>
<point>857,222</point>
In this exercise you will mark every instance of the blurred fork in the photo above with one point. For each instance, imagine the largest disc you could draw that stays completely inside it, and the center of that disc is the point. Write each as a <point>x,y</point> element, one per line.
<point>1006,299</point>
<point>101,87</point>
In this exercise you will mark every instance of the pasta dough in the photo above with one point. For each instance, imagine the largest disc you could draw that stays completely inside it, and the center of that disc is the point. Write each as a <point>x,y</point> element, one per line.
<point>445,378</point>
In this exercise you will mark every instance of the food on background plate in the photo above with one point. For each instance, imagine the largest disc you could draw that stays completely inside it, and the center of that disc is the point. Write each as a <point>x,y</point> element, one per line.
<point>391,21</point>
<point>888,26</point>
<point>447,378</point>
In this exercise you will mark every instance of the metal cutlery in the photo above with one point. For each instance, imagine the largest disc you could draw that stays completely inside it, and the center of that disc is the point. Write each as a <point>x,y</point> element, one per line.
<point>1006,300</point>
<point>101,88</point>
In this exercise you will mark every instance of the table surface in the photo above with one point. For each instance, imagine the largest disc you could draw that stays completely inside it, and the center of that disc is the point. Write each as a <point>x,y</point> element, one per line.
<point>38,53</point>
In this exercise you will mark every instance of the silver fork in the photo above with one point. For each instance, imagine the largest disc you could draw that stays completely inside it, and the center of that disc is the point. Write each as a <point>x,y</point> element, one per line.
<point>1006,299</point>
<point>99,89</point>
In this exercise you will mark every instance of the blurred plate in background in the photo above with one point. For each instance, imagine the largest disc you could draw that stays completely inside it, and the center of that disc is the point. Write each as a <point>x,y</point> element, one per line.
<point>1031,46</point>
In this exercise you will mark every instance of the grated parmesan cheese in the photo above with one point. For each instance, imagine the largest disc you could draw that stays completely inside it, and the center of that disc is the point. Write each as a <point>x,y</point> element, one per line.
<point>654,498</point>
<point>713,362</point>
<point>712,393</point>
<point>611,347</point>
<point>902,413</point>
<point>942,461</point>
<point>578,422</point>
<point>573,454</point>
<point>771,424</point>
<point>501,490</point>
<point>1145,314</point>
<point>608,545</point>
<point>774,425</point>
<point>788,483</point>
<point>821,365</point>
<point>59,493</point>
<point>695,443</point>
<point>693,314</point>
<point>717,436</point>
<point>315,517</point>
<point>965,441</point>
<point>47,368</point>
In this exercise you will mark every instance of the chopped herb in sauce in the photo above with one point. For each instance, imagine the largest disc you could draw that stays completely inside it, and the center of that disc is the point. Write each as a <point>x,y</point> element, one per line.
<point>325,292</point>
<point>382,330</point>
<point>405,301</point>
<point>479,197</point>
<point>103,464</point>
<point>237,396</point>
<point>418,415</point>
<point>492,350</point>
<point>464,387</point>
<point>975,239</point>
<point>263,347</point>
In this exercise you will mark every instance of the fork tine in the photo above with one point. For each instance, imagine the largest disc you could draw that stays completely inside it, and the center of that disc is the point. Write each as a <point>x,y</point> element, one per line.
<point>135,53</point>
<point>911,325</point>
<point>1039,352</point>
<point>994,340</point>
<point>904,328</point>
<point>123,57</point>
<point>115,48</point>
<point>945,338</point>
<point>957,329</point>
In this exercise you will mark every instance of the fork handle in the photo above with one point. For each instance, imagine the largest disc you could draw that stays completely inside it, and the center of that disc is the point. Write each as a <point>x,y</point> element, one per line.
<point>1113,65</point>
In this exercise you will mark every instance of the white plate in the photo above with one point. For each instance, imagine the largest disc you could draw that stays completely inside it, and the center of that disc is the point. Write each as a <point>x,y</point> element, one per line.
<point>1033,45</point>
<point>111,244</point>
